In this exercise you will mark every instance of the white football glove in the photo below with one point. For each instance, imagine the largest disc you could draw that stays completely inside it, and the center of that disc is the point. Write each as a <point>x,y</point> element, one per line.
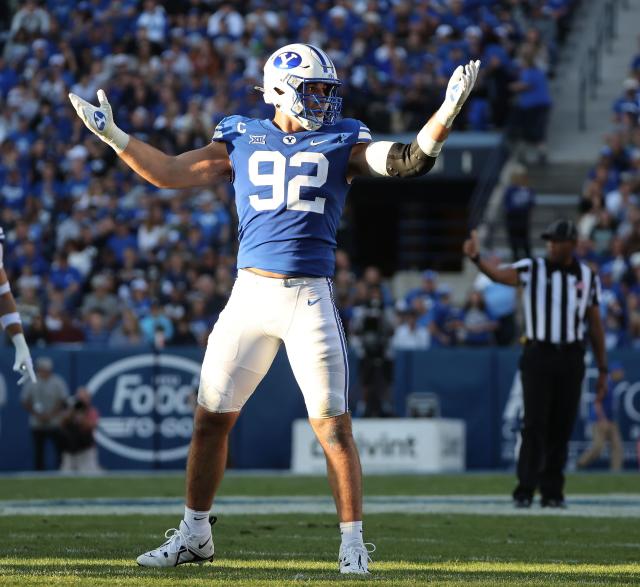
<point>23,363</point>
<point>100,121</point>
<point>458,90</point>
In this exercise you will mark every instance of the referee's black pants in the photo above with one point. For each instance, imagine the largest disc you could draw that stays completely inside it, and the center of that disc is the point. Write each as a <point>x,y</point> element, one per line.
<point>551,384</point>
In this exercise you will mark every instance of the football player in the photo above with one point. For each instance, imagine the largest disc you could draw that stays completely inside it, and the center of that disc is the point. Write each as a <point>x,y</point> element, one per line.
<point>290,175</point>
<point>10,320</point>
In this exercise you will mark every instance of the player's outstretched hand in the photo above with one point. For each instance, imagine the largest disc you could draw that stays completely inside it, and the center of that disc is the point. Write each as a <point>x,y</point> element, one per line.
<point>23,363</point>
<point>458,90</point>
<point>99,120</point>
<point>471,247</point>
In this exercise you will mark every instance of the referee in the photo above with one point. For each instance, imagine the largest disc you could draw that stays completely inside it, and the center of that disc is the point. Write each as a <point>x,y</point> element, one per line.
<point>560,295</point>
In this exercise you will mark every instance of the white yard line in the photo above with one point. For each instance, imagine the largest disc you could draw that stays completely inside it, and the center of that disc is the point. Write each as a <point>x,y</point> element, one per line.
<point>598,506</point>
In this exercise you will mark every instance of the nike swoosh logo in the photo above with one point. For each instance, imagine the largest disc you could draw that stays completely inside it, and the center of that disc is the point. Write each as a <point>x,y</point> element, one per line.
<point>313,302</point>
<point>313,142</point>
<point>202,518</point>
<point>204,543</point>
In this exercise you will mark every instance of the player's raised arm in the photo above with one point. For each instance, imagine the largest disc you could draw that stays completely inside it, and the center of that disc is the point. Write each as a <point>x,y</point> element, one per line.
<point>10,320</point>
<point>191,169</point>
<point>386,158</point>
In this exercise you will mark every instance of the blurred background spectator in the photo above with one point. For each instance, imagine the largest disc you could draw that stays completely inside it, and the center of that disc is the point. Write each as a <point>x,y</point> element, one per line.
<point>371,331</point>
<point>79,452</point>
<point>519,199</point>
<point>45,400</point>
<point>604,426</point>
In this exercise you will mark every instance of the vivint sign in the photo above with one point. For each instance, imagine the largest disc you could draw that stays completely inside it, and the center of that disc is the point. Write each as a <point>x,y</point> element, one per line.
<point>146,404</point>
<point>390,445</point>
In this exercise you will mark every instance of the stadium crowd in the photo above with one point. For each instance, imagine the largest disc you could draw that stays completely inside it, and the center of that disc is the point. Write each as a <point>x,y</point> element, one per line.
<point>609,224</point>
<point>96,255</point>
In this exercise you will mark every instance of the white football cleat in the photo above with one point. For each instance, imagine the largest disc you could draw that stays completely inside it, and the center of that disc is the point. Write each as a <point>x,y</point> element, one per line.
<point>354,557</point>
<point>181,547</point>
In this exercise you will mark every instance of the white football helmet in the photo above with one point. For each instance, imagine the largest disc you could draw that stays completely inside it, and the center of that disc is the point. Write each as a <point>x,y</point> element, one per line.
<point>286,74</point>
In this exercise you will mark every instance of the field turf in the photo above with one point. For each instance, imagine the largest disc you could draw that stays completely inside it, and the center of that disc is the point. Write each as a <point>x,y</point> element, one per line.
<point>294,549</point>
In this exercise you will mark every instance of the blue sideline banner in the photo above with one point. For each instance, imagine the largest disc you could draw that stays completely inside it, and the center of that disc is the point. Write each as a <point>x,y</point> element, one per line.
<point>482,387</point>
<point>626,402</point>
<point>146,402</point>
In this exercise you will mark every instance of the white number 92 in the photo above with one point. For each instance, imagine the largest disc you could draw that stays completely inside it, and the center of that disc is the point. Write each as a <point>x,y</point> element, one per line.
<point>276,180</point>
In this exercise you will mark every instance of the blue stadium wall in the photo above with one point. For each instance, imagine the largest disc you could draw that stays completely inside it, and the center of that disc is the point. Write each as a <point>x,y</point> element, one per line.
<point>146,401</point>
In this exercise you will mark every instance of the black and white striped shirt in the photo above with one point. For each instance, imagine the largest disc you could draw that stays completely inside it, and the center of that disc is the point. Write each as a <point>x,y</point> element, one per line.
<point>556,299</point>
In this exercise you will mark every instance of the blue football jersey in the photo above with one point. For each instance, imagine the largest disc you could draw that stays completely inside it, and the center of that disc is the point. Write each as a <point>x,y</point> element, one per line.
<point>290,190</point>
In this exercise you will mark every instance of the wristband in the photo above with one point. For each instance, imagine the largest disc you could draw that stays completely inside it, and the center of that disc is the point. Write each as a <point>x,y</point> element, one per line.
<point>445,118</point>
<point>8,319</point>
<point>19,341</point>
<point>118,139</point>
<point>428,145</point>
<point>5,288</point>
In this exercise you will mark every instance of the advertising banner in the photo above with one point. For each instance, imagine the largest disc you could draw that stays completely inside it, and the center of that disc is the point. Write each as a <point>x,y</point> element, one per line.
<point>146,403</point>
<point>390,445</point>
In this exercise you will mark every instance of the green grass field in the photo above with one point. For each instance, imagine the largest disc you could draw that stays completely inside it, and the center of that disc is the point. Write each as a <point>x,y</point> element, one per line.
<point>301,549</point>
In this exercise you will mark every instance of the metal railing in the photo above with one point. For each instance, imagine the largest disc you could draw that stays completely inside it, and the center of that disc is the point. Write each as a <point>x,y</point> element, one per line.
<point>590,69</point>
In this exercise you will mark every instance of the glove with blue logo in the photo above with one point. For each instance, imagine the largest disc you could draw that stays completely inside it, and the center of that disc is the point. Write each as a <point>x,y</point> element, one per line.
<point>100,121</point>
<point>458,90</point>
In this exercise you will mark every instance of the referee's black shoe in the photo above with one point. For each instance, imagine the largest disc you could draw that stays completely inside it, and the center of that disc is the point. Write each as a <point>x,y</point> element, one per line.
<point>550,502</point>
<point>522,502</point>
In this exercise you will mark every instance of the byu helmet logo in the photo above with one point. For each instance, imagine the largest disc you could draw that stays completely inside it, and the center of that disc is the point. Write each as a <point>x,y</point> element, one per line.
<point>100,119</point>
<point>287,60</point>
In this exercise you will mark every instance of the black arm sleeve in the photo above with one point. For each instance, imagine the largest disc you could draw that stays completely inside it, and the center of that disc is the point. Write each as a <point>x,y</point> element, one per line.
<point>408,160</point>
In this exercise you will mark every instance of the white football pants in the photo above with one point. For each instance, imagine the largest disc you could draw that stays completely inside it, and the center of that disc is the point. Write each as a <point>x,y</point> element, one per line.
<point>261,313</point>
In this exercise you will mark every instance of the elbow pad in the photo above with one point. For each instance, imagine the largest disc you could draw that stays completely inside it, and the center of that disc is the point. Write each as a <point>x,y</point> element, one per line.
<point>397,159</point>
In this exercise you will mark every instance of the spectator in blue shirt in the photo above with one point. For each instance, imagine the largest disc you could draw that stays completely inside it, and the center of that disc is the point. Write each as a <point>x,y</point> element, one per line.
<point>533,102</point>
<point>138,297</point>
<point>629,101</point>
<point>428,293</point>
<point>122,239</point>
<point>66,279</point>
<point>445,321</point>
<point>30,258</point>
<point>13,193</point>
<point>156,328</point>
<point>96,330</point>
<point>519,200</point>
<point>477,323</point>
<point>500,301</point>
<point>213,219</point>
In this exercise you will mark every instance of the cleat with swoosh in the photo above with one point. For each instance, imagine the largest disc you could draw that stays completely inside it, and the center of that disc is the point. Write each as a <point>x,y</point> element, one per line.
<point>181,547</point>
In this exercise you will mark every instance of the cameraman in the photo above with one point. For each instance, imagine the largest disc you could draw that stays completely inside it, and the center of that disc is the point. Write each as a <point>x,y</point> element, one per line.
<point>79,452</point>
<point>372,328</point>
